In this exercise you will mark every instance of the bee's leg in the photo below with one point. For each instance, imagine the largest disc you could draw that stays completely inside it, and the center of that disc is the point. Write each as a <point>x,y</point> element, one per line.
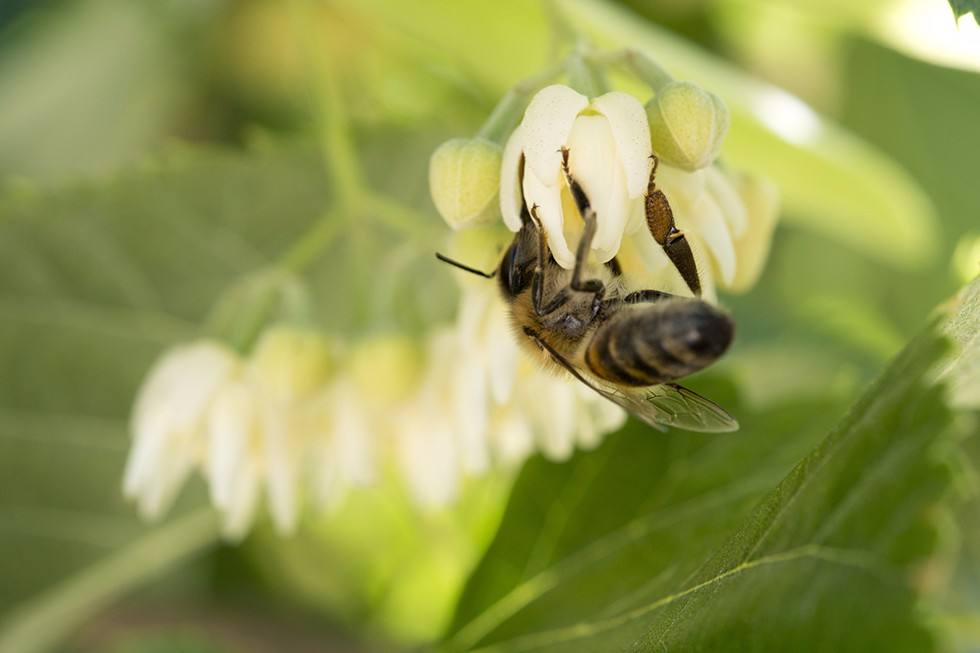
<point>614,267</point>
<point>585,210</point>
<point>647,296</point>
<point>660,221</point>
<point>537,277</point>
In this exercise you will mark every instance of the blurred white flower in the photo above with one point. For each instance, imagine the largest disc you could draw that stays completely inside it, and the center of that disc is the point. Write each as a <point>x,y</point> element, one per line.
<point>482,404</point>
<point>276,423</point>
<point>170,420</point>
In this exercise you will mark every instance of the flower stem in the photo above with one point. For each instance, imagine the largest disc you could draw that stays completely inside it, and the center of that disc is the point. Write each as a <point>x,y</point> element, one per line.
<point>307,247</point>
<point>505,116</point>
<point>584,75</point>
<point>330,112</point>
<point>640,64</point>
<point>44,622</point>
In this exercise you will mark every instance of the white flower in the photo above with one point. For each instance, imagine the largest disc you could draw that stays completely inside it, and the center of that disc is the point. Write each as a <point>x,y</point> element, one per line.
<point>342,432</point>
<point>609,144</point>
<point>481,403</point>
<point>727,218</point>
<point>169,421</point>
<point>276,424</point>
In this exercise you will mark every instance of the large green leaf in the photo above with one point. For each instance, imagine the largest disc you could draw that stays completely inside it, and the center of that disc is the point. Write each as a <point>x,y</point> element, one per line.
<point>94,281</point>
<point>679,542</point>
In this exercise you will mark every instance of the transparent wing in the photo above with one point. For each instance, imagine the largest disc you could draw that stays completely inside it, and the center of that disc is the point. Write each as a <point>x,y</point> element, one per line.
<point>659,405</point>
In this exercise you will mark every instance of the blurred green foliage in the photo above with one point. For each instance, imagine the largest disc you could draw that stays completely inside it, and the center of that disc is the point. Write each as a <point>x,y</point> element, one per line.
<point>114,244</point>
<point>962,7</point>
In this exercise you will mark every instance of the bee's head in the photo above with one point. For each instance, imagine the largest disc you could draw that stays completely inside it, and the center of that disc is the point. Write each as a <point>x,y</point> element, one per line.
<point>517,266</point>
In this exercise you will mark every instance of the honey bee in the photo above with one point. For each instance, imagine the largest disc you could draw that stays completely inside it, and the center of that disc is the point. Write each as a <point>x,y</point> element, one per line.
<point>628,347</point>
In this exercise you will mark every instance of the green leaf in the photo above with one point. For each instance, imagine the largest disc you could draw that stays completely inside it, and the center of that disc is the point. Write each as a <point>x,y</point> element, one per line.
<point>679,542</point>
<point>961,7</point>
<point>94,281</point>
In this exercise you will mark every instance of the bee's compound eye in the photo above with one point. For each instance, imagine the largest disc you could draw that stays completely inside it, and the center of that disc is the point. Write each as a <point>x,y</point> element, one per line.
<point>512,276</point>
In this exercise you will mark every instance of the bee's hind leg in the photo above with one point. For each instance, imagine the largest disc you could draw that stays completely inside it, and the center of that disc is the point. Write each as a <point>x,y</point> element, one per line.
<point>660,222</point>
<point>647,296</point>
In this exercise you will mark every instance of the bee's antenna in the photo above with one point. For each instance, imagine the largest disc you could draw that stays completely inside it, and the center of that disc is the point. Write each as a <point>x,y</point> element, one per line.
<point>466,268</point>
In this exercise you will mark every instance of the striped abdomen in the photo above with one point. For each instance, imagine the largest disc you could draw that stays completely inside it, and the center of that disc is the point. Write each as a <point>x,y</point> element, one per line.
<point>656,343</point>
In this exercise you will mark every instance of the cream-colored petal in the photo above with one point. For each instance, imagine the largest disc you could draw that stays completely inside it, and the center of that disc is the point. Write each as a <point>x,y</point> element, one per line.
<point>230,428</point>
<point>547,123</point>
<point>183,381</point>
<point>631,132</point>
<point>594,164</point>
<point>469,399</point>
<point>502,353</point>
<point>240,513</point>
<point>752,249</point>
<point>555,416</point>
<point>281,471</point>
<point>680,186</point>
<point>510,182</point>
<point>351,435</point>
<point>637,216</point>
<point>608,416</point>
<point>169,476</point>
<point>548,201</point>
<point>726,195</point>
<point>428,459</point>
<point>148,448</point>
<point>707,221</point>
<point>512,439</point>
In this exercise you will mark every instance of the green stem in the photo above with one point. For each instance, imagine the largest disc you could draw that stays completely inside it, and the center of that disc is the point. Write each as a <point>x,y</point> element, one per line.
<point>505,116</point>
<point>585,76</point>
<point>308,246</point>
<point>44,622</point>
<point>411,223</point>
<point>329,112</point>
<point>638,63</point>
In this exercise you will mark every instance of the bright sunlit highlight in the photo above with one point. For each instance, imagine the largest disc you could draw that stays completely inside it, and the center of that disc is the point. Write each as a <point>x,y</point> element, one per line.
<point>787,116</point>
<point>927,30</point>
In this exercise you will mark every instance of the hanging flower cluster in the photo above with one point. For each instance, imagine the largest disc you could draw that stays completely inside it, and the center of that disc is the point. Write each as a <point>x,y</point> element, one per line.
<point>276,423</point>
<point>291,424</point>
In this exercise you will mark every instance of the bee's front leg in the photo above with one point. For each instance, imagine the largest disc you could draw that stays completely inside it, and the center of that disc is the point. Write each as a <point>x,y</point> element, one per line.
<point>537,277</point>
<point>588,233</point>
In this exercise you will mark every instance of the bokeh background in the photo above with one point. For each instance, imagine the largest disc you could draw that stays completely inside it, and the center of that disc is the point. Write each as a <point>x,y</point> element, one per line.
<point>151,154</point>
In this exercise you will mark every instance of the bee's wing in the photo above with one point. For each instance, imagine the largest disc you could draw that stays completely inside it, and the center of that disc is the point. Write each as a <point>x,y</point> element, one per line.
<point>660,405</point>
<point>688,410</point>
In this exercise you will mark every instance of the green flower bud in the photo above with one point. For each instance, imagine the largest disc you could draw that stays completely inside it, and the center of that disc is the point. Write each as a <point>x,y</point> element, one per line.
<point>687,125</point>
<point>386,369</point>
<point>464,178</point>
<point>289,362</point>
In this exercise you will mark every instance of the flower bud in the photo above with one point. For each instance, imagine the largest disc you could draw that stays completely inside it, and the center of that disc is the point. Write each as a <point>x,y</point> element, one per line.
<point>464,177</point>
<point>386,369</point>
<point>687,125</point>
<point>290,363</point>
<point>479,247</point>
